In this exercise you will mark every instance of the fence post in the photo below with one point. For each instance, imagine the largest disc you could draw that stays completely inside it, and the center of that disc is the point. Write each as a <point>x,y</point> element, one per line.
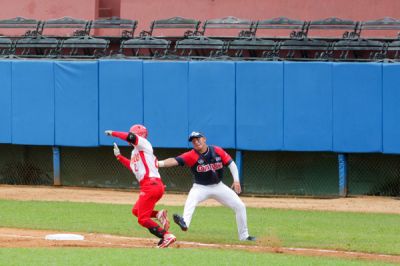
<point>56,166</point>
<point>342,159</point>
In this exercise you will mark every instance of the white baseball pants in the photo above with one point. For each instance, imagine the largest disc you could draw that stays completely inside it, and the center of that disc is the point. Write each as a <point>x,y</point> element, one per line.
<point>224,195</point>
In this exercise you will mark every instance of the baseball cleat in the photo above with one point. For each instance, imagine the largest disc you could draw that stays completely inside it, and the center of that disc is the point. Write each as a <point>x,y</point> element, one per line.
<point>166,241</point>
<point>163,218</point>
<point>251,238</point>
<point>179,221</point>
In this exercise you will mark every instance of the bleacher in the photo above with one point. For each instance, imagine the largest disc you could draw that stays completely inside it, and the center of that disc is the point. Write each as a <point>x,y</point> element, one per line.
<point>178,38</point>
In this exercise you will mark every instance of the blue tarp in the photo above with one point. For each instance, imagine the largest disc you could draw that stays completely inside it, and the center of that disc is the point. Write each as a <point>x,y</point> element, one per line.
<point>357,107</point>
<point>259,105</point>
<point>308,106</point>
<point>120,97</point>
<point>32,102</point>
<point>211,99</point>
<point>166,103</point>
<point>76,98</point>
<point>5,102</point>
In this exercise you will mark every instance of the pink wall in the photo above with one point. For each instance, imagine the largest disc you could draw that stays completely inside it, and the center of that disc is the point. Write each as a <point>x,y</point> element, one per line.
<point>47,9</point>
<point>109,8</point>
<point>146,11</point>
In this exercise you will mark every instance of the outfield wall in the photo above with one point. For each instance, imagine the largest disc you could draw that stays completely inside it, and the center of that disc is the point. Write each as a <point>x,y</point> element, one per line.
<point>258,106</point>
<point>294,128</point>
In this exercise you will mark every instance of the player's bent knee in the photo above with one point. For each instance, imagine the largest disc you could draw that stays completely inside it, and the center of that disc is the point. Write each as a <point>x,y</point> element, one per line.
<point>240,207</point>
<point>143,221</point>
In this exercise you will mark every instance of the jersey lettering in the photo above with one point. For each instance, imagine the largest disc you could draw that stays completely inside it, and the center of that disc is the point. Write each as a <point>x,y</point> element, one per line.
<point>208,167</point>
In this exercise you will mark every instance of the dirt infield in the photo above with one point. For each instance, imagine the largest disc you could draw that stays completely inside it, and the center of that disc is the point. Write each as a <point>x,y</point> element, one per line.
<point>352,204</point>
<point>11,237</point>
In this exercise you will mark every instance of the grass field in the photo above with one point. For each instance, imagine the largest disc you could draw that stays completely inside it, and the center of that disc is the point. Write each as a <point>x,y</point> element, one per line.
<point>157,257</point>
<point>364,232</point>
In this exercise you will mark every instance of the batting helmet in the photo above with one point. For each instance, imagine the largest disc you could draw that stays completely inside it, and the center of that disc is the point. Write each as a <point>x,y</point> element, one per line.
<point>139,130</point>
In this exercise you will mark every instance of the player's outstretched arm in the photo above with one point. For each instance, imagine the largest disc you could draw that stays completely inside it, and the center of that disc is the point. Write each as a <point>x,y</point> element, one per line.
<point>168,162</point>
<point>235,174</point>
<point>117,134</point>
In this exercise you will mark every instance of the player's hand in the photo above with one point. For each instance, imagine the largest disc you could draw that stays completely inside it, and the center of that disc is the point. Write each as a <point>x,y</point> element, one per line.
<point>108,132</point>
<point>236,187</point>
<point>116,150</point>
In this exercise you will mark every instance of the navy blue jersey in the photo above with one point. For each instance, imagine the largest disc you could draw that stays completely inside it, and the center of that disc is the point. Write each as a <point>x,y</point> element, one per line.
<point>207,168</point>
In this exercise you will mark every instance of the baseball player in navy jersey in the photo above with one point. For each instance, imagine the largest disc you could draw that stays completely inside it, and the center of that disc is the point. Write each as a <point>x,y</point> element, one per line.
<point>206,163</point>
<point>143,164</point>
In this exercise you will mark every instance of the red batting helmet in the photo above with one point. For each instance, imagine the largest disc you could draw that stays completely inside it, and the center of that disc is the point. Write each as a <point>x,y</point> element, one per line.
<point>139,130</point>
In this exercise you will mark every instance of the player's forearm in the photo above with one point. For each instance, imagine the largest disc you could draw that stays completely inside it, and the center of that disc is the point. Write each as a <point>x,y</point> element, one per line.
<point>234,171</point>
<point>124,161</point>
<point>121,135</point>
<point>168,162</point>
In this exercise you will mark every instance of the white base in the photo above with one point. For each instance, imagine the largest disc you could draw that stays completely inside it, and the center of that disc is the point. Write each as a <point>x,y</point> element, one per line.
<point>64,237</point>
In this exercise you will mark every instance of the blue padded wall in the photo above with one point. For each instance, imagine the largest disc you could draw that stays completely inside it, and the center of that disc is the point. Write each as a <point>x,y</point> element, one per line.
<point>308,106</point>
<point>76,101</point>
<point>211,100</point>
<point>165,103</point>
<point>357,107</point>
<point>391,108</point>
<point>259,105</point>
<point>32,102</point>
<point>120,97</point>
<point>5,102</point>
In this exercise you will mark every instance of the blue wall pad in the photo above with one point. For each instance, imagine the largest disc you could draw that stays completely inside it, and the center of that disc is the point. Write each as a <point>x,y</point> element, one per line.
<point>120,97</point>
<point>165,103</point>
<point>76,94</point>
<point>212,101</point>
<point>5,102</point>
<point>259,105</point>
<point>391,108</point>
<point>32,102</point>
<point>307,106</point>
<point>357,107</point>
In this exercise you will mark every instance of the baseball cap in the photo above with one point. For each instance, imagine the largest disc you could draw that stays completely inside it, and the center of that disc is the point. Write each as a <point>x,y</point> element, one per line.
<point>195,134</point>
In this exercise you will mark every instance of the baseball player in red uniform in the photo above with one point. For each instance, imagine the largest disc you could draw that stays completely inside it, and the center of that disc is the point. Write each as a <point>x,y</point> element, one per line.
<point>143,164</point>
<point>206,163</point>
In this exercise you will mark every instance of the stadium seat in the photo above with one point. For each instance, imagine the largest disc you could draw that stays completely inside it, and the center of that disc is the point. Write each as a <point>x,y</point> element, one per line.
<point>66,26</point>
<point>305,49</point>
<point>334,29</point>
<point>122,28</point>
<point>145,47</point>
<point>38,46</point>
<point>227,24</point>
<point>84,47</point>
<point>200,47</point>
<point>191,27</point>
<point>281,28</point>
<point>28,27</point>
<point>380,28</point>
<point>6,47</point>
<point>252,48</point>
<point>360,49</point>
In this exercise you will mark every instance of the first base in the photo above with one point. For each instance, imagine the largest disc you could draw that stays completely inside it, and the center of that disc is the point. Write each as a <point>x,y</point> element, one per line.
<point>64,237</point>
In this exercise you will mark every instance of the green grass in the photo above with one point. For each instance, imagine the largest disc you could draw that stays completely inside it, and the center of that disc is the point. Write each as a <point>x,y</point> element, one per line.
<point>365,232</point>
<point>157,257</point>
